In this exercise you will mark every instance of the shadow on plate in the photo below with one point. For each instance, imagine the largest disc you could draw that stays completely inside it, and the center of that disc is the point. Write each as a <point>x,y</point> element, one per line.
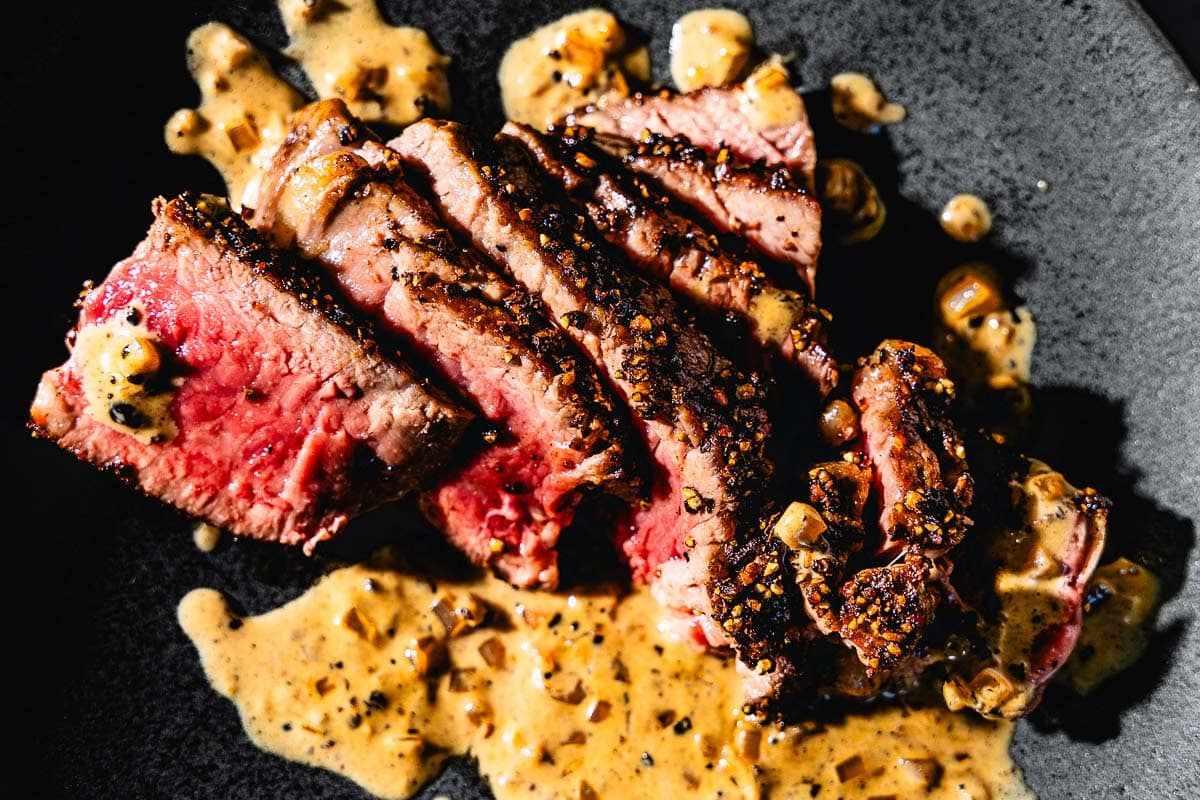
<point>1074,430</point>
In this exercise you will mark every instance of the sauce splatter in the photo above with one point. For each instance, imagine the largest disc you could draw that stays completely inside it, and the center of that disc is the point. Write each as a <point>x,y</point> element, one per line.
<point>348,50</point>
<point>580,59</point>
<point>860,106</point>
<point>710,47</point>
<point>966,218</point>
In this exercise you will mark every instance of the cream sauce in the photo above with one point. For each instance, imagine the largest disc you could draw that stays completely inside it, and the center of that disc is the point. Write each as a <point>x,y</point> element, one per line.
<point>244,107</point>
<point>349,51</point>
<point>206,537</point>
<point>845,189</point>
<point>986,344</point>
<point>1030,581</point>
<point>378,675</point>
<point>580,59</point>
<point>966,218</point>
<point>710,47</point>
<point>860,106</point>
<point>123,377</point>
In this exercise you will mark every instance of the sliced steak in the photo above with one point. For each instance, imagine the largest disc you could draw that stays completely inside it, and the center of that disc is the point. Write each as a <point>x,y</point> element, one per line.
<point>903,396</point>
<point>699,538</point>
<point>557,431</point>
<point>222,378</point>
<point>763,205</point>
<point>713,119</point>
<point>637,218</point>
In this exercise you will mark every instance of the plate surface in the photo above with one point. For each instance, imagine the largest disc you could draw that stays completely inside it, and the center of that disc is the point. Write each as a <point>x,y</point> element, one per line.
<point>105,693</point>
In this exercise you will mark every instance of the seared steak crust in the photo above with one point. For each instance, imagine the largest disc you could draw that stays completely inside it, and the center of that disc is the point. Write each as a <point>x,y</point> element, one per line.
<point>713,119</point>
<point>904,396</point>
<point>638,219</point>
<point>287,419</point>
<point>556,430</point>
<point>763,205</point>
<point>699,539</point>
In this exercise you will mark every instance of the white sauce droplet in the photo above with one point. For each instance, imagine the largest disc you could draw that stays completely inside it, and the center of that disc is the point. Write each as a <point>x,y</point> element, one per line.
<point>710,47</point>
<point>860,106</point>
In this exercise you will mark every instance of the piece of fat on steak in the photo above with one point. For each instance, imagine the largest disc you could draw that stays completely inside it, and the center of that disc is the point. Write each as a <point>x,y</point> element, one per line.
<point>904,398</point>
<point>763,205</point>
<point>713,118</point>
<point>699,539</point>
<point>640,220</point>
<point>221,377</point>
<point>556,433</point>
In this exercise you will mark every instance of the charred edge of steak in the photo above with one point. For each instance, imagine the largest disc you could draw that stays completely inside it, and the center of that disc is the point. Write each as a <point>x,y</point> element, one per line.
<point>934,516</point>
<point>615,196</point>
<point>724,406</point>
<point>212,219</point>
<point>838,490</point>
<point>521,323</point>
<point>886,610</point>
<point>724,402</point>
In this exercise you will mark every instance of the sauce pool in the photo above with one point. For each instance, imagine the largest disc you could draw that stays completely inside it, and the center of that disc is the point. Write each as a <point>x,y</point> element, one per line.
<point>380,676</point>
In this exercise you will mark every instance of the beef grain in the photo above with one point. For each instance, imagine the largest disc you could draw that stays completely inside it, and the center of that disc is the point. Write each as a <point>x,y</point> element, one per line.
<point>557,432</point>
<point>712,119</point>
<point>288,420</point>
<point>699,539</point>
<point>763,205</point>
<point>640,221</point>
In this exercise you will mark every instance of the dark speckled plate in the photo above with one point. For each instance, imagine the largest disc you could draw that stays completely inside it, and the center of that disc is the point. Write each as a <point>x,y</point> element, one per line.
<point>103,690</point>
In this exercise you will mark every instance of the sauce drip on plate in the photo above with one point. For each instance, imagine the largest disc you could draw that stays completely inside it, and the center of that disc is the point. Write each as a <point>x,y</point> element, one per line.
<point>380,675</point>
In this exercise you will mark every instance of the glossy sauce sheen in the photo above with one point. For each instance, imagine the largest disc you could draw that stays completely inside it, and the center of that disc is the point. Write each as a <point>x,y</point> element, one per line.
<point>587,698</point>
<point>244,107</point>
<point>579,59</point>
<point>710,47</point>
<point>384,73</point>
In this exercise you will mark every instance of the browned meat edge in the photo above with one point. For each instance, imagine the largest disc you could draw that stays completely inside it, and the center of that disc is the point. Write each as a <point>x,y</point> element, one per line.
<point>638,219</point>
<point>677,385</point>
<point>763,205</point>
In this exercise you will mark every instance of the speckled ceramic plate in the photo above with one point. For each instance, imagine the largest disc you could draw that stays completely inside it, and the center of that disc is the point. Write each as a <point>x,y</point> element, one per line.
<point>104,692</point>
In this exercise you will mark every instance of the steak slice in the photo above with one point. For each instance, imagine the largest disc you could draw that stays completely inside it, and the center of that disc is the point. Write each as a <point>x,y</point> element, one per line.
<point>222,378</point>
<point>763,205</point>
<point>903,396</point>
<point>713,118</point>
<point>636,218</point>
<point>699,540</point>
<point>556,431</point>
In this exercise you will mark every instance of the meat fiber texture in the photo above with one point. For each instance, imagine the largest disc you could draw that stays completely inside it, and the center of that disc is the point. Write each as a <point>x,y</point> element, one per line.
<point>712,118</point>
<point>557,432</point>
<point>288,421</point>
<point>699,538</point>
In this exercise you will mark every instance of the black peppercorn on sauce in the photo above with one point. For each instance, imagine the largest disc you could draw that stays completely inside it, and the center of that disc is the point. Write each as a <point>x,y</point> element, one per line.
<point>702,419</point>
<point>379,675</point>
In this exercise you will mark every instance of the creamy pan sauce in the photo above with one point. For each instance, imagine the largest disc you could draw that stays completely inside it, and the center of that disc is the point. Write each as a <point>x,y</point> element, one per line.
<point>380,676</point>
<point>579,59</point>
<point>385,74</point>
<point>710,47</point>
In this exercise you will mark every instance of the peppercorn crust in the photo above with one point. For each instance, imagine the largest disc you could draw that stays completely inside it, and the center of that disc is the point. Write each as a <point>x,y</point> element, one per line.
<point>719,278</point>
<point>555,431</point>
<point>762,204</point>
<point>681,390</point>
